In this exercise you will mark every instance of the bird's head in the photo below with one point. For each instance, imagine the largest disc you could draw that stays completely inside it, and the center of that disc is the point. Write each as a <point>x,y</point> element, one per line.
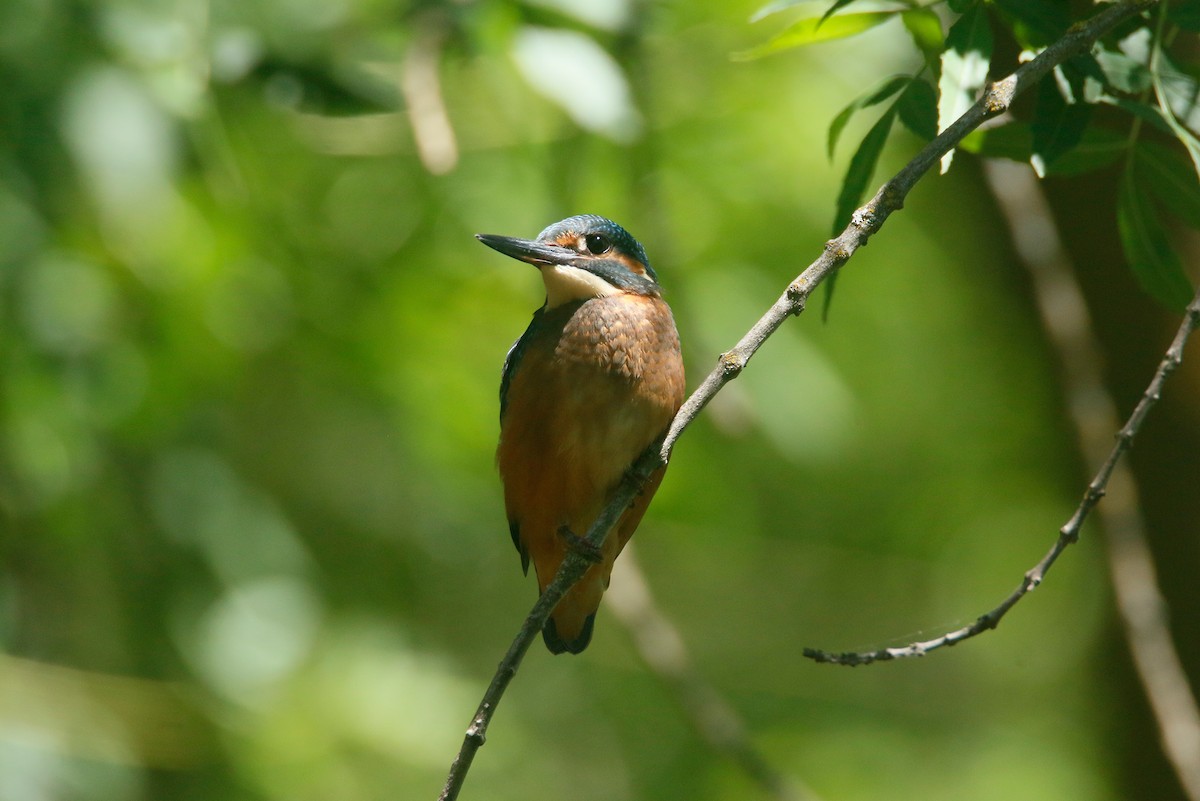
<point>582,257</point>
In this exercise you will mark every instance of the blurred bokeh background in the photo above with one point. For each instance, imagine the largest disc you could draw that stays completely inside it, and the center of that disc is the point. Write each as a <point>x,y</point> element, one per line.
<point>252,543</point>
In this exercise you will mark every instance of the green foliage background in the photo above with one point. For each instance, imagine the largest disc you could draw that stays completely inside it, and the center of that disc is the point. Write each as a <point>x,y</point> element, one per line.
<point>252,543</point>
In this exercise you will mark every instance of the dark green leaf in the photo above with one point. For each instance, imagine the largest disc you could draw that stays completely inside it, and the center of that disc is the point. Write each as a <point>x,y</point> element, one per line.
<point>960,6</point>
<point>858,175</point>
<point>833,9</point>
<point>1143,111</point>
<point>1148,249</point>
<point>1185,14</point>
<point>812,30</point>
<point>925,27</point>
<point>918,109</point>
<point>1036,23</point>
<point>862,167</point>
<point>1171,178</point>
<point>965,65</point>
<point>1057,125</point>
<point>1012,141</point>
<point>889,88</point>
<point>1097,148</point>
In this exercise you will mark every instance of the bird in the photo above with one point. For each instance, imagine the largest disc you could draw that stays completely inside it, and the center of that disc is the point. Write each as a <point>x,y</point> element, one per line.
<point>595,379</point>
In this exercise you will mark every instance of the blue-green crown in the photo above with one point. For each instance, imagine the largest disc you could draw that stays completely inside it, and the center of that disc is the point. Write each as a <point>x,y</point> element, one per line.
<point>584,224</point>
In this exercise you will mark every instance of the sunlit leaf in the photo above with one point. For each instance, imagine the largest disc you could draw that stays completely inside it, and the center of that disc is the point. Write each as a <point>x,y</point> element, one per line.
<point>833,9</point>
<point>1183,132</point>
<point>774,7</point>
<point>1057,125</point>
<point>1180,91</point>
<point>1122,72</point>
<point>572,70</point>
<point>812,30</point>
<point>889,88</point>
<point>918,109</point>
<point>1171,178</point>
<point>925,27</point>
<point>1154,262</point>
<point>965,65</point>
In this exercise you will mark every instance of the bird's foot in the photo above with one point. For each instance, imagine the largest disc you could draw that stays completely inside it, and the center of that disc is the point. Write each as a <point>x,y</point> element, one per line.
<point>581,545</point>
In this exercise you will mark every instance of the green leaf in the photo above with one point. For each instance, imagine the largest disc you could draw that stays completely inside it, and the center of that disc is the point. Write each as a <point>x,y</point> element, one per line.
<point>1185,14</point>
<point>965,65</point>
<point>1036,23</point>
<point>1180,91</point>
<point>1182,132</point>
<point>1012,141</point>
<point>862,167</point>
<point>918,109</point>
<point>812,30</point>
<point>773,8</point>
<point>1143,111</point>
<point>1171,178</point>
<point>1097,148</point>
<point>1155,264</point>
<point>1123,73</point>
<point>833,9</point>
<point>858,175</point>
<point>886,90</point>
<point>925,27</point>
<point>960,6</point>
<point>1057,125</point>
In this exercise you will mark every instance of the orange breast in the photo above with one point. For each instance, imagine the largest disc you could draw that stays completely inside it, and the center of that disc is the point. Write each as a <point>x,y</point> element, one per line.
<point>596,383</point>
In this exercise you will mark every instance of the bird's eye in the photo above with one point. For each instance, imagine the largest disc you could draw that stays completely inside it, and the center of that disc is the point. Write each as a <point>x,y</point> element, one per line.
<point>597,244</point>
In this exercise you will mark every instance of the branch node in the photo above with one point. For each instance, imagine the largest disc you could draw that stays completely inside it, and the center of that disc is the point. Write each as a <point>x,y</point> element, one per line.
<point>998,96</point>
<point>863,218</point>
<point>891,197</point>
<point>797,295</point>
<point>731,364</point>
<point>1033,580</point>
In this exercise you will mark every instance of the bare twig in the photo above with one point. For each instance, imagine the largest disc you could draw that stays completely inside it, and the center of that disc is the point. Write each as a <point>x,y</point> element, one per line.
<point>1093,412</point>
<point>864,223</point>
<point>661,647</point>
<point>1068,534</point>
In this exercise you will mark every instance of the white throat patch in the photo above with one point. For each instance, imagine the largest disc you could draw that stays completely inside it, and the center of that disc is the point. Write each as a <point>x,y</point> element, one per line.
<point>565,284</point>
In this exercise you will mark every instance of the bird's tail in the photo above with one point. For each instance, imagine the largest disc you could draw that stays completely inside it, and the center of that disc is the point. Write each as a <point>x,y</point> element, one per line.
<point>569,627</point>
<point>558,645</point>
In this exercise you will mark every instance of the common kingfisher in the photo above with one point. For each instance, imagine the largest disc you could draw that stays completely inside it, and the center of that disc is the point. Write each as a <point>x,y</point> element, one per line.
<point>594,380</point>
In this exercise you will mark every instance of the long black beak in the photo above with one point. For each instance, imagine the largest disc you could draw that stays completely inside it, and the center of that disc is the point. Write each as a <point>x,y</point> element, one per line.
<point>527,250</point>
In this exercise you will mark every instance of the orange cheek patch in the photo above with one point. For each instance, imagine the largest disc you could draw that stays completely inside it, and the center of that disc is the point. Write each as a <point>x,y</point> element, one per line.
<point>633,265</point>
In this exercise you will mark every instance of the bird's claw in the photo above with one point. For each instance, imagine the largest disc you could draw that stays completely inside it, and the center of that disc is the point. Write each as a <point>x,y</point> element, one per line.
<point>581,545</point>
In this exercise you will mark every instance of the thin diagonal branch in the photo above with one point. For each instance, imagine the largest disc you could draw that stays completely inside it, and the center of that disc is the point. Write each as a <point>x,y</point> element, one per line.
<point>1093,412</point>
<point>1067,535</point>
<point>996,99</point>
